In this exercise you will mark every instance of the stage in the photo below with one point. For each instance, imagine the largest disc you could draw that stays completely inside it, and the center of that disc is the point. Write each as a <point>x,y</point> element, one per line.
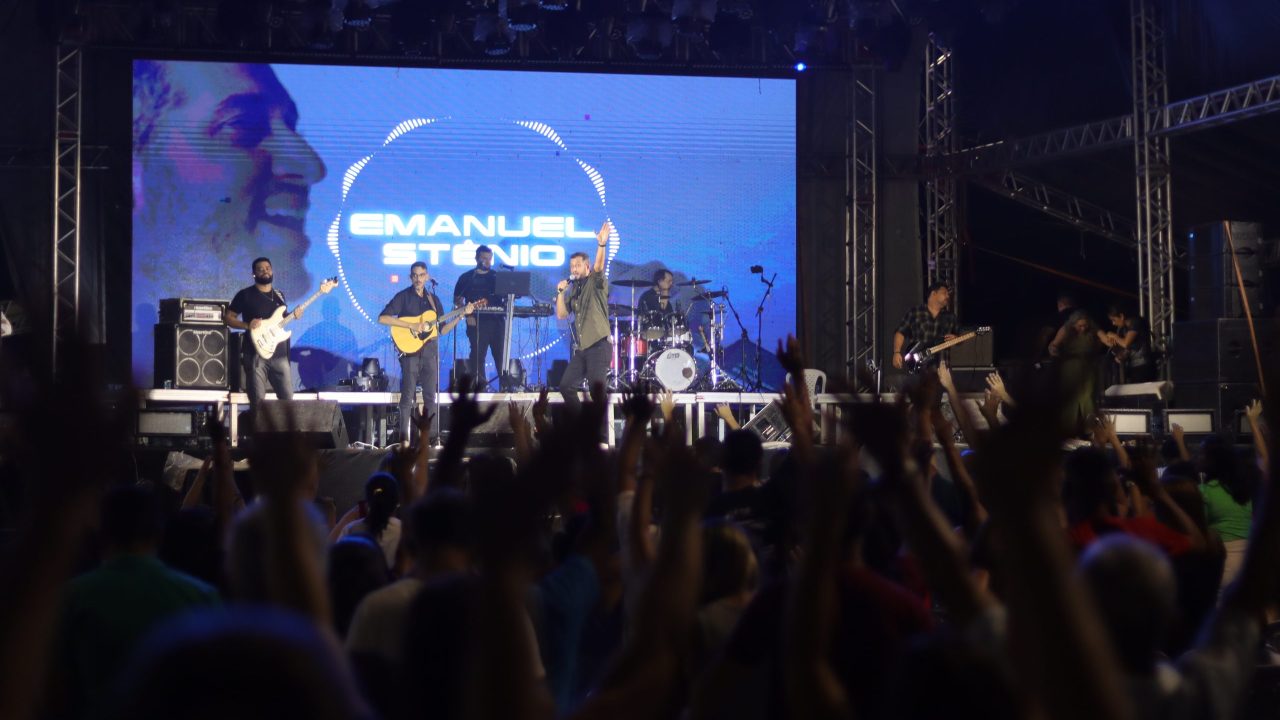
<point>696,407</point>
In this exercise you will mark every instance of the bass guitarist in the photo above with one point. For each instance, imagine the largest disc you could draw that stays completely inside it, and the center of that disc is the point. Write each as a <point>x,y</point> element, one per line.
<point>255,304</point>
<point>420,368</point>
<point>927,324</point>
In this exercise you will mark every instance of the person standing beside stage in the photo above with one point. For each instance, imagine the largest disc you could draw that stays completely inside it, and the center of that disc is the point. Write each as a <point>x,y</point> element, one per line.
<point>586,295</point>
<point>485,333</point>
<point>927,324</point>
<point>255,304</point>
<point>421,368</point>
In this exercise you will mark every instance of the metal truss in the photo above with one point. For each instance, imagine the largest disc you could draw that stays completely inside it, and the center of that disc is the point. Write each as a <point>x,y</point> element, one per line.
<point>862,338</point>
<point>1153,178</point>
<point>66,196</point>
<point>1062,205</point>
<point>939,139</point>
<point>1204,111</point>
<point>1224,106</point>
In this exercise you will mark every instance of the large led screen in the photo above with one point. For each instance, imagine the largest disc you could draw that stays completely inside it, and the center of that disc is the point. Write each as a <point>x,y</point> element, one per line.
<point>359,172</point>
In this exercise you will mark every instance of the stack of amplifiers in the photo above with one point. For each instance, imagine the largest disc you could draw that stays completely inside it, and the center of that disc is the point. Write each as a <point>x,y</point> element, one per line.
<point>191,345</point>
<point>193,312</point>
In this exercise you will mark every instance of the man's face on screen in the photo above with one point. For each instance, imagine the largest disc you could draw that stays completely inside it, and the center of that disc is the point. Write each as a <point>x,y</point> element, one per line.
<point>223,176</point>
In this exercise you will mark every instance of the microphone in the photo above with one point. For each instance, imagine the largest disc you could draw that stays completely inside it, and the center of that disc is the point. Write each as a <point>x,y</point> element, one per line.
<point>505,266</point>
<point>433,282</point>
<point>757,269</point>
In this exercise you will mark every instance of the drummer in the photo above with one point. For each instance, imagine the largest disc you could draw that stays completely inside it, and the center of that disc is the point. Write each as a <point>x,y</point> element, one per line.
<point>656,304</point>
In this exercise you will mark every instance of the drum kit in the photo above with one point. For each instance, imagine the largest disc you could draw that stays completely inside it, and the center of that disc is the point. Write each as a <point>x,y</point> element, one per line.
<point>659,347</point>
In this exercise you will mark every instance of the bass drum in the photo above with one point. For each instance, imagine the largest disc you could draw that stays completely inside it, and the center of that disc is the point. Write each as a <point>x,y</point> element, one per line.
<point>675,369</point>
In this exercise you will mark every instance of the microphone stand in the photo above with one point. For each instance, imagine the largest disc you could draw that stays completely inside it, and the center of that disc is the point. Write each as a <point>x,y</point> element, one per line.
<point>742,355</point>
<point>760,325</point>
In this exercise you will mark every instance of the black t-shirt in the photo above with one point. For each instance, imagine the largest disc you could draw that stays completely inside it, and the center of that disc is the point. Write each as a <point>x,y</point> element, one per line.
<point>253,304</point>
<point>1139,351</point>
<point>649,303</point>
<point>473,286</point>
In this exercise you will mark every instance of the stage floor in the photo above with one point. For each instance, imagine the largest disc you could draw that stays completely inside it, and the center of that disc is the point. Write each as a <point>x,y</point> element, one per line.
<point>694,405</point>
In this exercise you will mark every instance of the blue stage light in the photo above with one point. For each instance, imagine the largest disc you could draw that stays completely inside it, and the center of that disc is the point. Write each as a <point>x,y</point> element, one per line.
<point>800,67</point>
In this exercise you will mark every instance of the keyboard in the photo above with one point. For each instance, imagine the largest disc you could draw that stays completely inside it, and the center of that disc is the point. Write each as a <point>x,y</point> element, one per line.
<point>520,311</point>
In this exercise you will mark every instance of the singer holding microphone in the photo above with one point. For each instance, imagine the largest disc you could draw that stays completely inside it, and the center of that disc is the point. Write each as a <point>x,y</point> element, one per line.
<point>586,295</point>
<point>421,367</point>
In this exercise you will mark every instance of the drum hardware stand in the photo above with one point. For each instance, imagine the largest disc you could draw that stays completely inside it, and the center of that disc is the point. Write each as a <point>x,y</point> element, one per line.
<point>760,325</point>
<point>746,337</point>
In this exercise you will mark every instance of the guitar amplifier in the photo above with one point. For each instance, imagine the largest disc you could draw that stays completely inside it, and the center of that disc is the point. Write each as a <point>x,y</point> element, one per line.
<point>192,311</point>
<point>977,352</point>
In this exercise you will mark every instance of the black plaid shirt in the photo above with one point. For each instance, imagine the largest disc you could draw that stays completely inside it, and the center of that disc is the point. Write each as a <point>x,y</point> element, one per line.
<point>918,325</point>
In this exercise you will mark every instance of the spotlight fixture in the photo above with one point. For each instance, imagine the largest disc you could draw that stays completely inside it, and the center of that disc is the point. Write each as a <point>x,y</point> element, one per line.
<point>801,67</point>
<point>494,34</point>
<point>649,35</point>
<point>522,15</point>
<point>357,15</point>
<point>693,17</point>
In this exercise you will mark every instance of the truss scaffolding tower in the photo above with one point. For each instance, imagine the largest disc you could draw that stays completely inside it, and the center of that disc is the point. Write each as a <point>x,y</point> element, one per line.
<point>939,139</point>
<point>66,197</point>
<point>1153,176</point>
<point>861,314</point>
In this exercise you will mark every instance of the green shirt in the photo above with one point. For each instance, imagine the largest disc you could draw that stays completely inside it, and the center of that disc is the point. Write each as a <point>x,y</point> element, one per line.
<point>589,303</point>
<point>1228,517</point>
<point>107,613</point>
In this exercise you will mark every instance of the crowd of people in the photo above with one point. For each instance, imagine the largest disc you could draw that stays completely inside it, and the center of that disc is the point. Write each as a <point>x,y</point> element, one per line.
<point>879,572</point>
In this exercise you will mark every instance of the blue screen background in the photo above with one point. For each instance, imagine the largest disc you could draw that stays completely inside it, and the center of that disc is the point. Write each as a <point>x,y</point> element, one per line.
<point>697,174</point>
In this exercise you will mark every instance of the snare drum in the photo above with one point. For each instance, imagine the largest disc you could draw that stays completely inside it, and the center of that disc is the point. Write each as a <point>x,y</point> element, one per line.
<point>675,369</point>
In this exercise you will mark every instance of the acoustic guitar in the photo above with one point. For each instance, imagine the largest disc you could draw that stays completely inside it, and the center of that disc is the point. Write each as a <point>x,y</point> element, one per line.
<point>411,341</point>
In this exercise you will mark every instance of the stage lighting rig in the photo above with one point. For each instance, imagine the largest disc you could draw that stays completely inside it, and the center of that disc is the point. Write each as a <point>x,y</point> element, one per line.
<point>494,34</point>
<point>357,14</point>
<point>523,15</point>
<point>693,18</point>
<point>649,35</point>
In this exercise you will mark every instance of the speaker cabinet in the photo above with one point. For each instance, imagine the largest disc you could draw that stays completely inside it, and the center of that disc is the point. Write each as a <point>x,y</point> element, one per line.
<point>1214,288</point>
<point>1220,351</point>
<point>319,421</point>
<point>1226,400</point>
<point>191,356</point>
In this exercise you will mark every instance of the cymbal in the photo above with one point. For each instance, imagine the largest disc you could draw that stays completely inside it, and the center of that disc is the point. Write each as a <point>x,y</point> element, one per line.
<point>692,282</point>
<point>619,309</point>
<point>632,283</point>
<point>712,295</point>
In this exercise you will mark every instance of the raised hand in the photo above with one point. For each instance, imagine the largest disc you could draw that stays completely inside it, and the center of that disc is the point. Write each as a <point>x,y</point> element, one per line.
<point>791,357</point>
<point>1253,411</point>
<point>637,406</point>
<point>668,404</point>
<point>996,384</point>
<point>1179,435</point>
<point>945,379</point>
<point>466,412</point>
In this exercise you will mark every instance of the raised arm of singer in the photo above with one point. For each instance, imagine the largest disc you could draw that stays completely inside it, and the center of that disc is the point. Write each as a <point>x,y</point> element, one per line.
<point>587,298</point>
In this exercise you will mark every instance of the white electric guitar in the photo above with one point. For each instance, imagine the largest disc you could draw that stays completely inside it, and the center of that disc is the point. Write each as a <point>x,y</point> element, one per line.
<point>270,332</point>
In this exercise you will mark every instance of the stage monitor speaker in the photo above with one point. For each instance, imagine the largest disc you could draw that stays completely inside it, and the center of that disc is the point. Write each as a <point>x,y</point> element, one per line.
<point>556,372</point>
<point>189,356</point>
<point>770,424</point>
<point>1221,350</point>
<point>1226,400</point>
<point>1214,288</point>
<point>320,421</point>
